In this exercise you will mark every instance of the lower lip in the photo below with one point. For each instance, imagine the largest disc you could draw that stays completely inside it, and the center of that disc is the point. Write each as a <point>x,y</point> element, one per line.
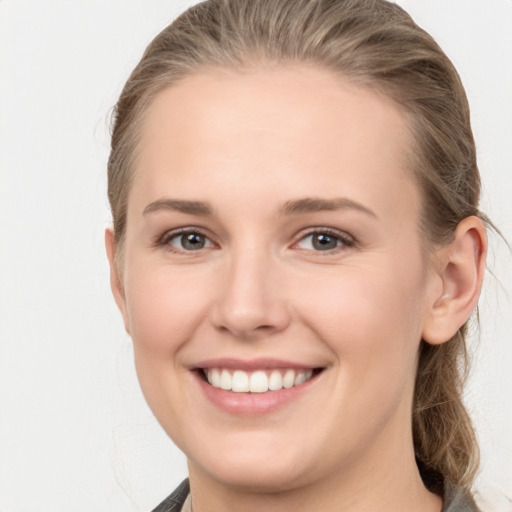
<point>252,404</point>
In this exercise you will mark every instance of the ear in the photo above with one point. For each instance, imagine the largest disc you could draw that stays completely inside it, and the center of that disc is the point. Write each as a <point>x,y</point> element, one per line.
<point>461,269</point>
<point>116,283</point>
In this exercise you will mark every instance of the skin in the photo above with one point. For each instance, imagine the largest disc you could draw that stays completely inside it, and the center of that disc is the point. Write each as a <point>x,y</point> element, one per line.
<point>247,144</point>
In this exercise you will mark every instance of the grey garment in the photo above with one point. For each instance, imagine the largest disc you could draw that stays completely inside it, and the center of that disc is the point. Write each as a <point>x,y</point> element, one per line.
<point>174,502</point>
<point>456,499</point>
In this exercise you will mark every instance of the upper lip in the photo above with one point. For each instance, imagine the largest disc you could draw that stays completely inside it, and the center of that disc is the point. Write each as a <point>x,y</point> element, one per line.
<point>253,364</point>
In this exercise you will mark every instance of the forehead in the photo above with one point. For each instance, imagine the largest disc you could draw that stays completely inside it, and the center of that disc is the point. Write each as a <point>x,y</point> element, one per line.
<point>290,128</point>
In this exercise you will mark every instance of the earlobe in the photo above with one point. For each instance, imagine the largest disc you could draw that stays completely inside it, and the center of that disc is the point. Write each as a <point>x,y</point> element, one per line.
<point>116,283</point>
<point>462,267</point>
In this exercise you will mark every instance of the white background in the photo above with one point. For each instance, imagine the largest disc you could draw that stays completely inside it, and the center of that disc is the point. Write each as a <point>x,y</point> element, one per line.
<point>75,433</point>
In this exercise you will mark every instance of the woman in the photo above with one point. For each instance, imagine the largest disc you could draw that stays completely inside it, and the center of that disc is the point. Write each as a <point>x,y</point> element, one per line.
<point>297,248</point>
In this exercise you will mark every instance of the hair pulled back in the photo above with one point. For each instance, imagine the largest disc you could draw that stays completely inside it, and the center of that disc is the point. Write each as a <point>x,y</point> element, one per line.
<point>374,43</point>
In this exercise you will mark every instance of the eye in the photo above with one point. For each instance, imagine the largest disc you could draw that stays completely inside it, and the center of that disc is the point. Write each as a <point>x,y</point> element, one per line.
<point>186,241</point>
<point>324,241</point>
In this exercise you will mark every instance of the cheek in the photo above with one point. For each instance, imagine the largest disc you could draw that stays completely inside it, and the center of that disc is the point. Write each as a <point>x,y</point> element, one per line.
<point>165,306</point>
<point>370,318</point>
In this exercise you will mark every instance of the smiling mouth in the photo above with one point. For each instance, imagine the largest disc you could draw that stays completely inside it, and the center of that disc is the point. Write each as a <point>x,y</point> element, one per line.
<point>259,381</point>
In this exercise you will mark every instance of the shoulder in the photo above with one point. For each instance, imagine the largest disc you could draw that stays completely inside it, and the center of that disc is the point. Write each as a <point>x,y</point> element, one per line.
<point>174,502</point>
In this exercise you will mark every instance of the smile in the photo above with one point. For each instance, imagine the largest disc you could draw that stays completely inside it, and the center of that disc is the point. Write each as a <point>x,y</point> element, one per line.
<point>259,381</point>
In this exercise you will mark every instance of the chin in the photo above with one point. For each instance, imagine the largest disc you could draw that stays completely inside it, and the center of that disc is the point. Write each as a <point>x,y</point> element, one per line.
<point>264,479</point>
<point>266,470</point>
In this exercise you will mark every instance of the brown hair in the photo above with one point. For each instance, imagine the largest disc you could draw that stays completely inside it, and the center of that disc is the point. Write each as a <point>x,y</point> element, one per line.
<point>376,44</point>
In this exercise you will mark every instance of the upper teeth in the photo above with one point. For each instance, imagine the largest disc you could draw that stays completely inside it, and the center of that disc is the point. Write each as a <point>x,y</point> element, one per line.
<point>256,382</point>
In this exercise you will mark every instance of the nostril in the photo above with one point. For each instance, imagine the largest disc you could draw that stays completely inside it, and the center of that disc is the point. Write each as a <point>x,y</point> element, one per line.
<point>247,329</point>
<point>248,306</point>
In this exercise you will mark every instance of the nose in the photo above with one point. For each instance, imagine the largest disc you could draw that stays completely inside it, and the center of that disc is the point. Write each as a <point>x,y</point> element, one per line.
<point>251,300</point>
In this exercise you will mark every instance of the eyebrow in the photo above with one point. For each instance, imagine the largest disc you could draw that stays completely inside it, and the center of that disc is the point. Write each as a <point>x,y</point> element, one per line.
<point>293,207</point>
<point>314,204</point>
<point>179,205</point>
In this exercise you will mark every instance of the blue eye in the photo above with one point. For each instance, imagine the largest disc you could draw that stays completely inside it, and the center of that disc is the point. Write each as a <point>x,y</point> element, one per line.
<point>188,241</point>
<point>324,241</point>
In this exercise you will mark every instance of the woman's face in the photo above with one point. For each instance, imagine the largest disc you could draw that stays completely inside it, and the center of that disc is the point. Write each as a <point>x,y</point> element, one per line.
<point>272,235</point>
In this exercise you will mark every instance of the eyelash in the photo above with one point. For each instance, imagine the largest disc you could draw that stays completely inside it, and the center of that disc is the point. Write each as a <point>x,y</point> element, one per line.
<point>166,239</point>
<point>344,240</point>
